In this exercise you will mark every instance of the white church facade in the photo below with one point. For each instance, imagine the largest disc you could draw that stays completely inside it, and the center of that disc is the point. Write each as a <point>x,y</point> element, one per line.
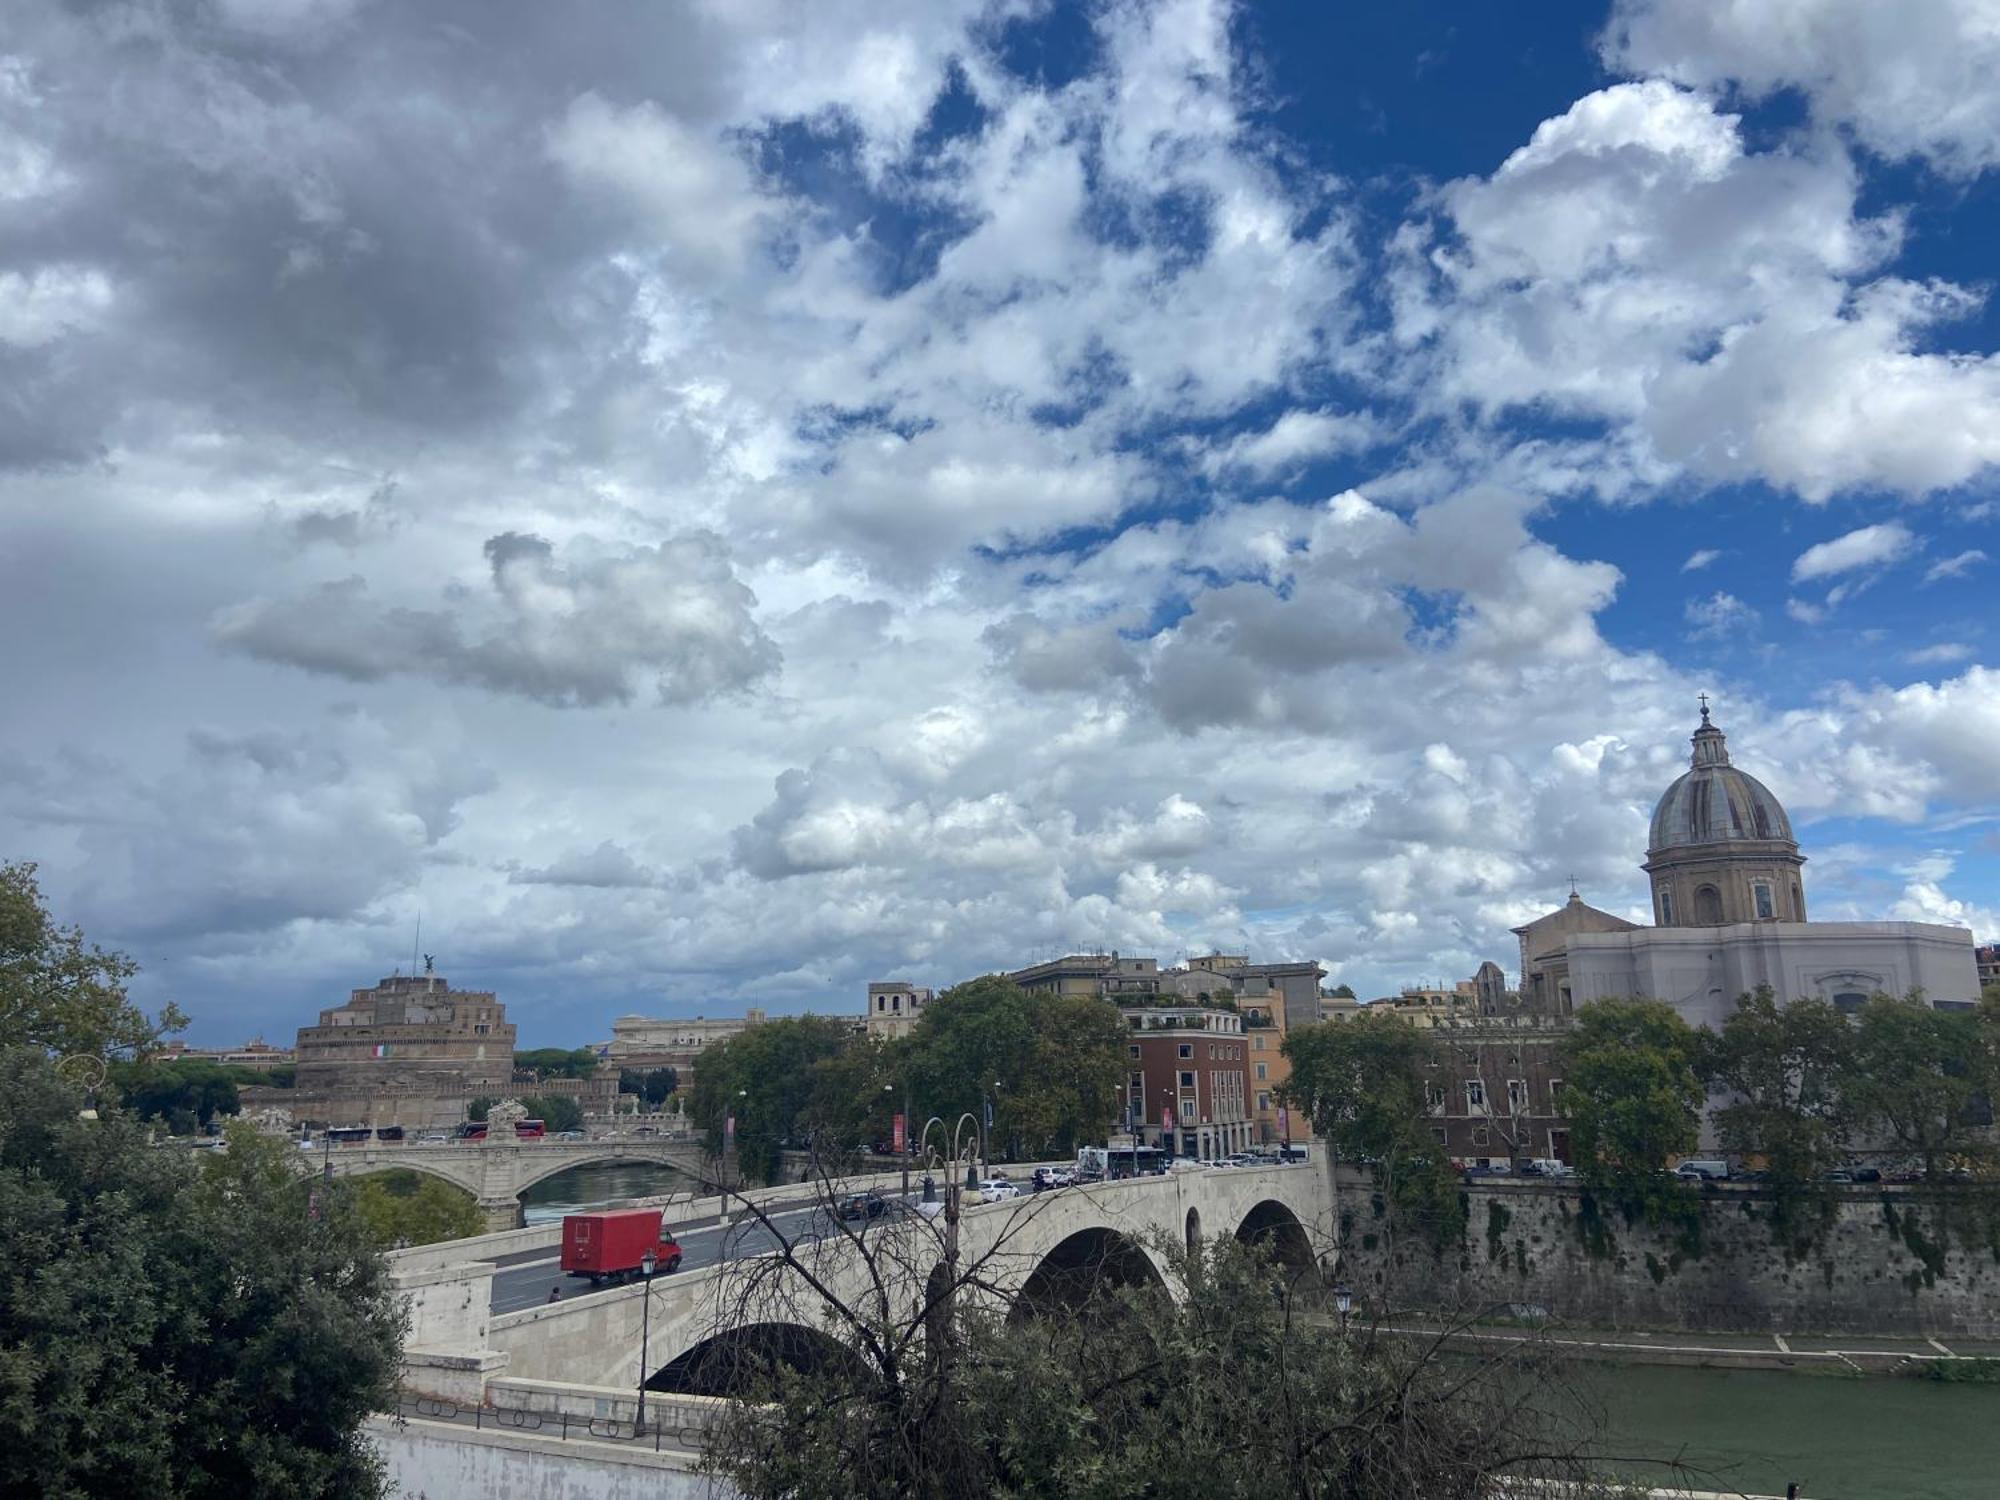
<point>1728,890</point>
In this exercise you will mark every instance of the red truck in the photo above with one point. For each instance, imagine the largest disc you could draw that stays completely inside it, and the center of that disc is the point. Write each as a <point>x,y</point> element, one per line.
<point>607,1246</point>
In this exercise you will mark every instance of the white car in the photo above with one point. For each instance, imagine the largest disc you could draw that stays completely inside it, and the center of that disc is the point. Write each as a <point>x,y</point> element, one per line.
<point>995,1189</point>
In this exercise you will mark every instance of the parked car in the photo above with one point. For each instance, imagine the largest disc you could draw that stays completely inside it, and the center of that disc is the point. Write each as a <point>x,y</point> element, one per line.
<point>863,1206</point>
<point>1703,1169</point>
<point>433,1138</point>
<point>569,1135</point>
<point>1865,1174</point>
<point>995,1189</point>
<point>1047,1178</point>
<point>1546,1166</point>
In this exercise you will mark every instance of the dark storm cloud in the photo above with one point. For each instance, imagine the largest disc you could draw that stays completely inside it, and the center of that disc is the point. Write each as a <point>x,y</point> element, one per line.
<point>576,635</point>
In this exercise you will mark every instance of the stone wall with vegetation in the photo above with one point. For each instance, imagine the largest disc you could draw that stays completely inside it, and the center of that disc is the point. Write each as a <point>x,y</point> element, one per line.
<point>1892,1260</point>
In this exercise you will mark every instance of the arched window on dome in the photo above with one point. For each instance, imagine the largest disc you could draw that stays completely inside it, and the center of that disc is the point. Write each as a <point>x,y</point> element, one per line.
<point>1666,907</point>
<point>1767,908</point>
<point>1707,906</point>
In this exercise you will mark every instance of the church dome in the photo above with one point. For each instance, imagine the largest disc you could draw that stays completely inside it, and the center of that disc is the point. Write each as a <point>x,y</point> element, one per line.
<point>1715,803</point>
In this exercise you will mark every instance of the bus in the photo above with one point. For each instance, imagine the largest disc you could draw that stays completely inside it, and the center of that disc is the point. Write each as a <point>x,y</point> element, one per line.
<point>1095,1163</point>
<point>530,1130</point>
<point>389,1133</point>
<point>349,1135</point>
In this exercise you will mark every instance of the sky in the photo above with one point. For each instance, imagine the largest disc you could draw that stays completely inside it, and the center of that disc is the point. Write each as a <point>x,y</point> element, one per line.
<point>709,505</point>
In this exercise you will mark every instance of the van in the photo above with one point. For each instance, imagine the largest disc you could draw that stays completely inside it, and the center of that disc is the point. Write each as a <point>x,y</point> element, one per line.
<point>1703,1169</point>
<point>1546,1166</point>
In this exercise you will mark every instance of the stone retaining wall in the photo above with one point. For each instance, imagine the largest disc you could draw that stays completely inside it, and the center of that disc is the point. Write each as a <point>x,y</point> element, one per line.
<point>1888,1264</point>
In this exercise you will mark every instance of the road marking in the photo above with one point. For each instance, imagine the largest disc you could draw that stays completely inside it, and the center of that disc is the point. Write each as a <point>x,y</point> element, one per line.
<point>1936,1345</point>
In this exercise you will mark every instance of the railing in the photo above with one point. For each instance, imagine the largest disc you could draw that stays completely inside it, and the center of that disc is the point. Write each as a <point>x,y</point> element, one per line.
<point>675,1432</point>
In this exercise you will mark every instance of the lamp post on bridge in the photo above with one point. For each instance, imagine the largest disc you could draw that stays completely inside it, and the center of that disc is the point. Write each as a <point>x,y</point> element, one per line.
<point>647,1260</point>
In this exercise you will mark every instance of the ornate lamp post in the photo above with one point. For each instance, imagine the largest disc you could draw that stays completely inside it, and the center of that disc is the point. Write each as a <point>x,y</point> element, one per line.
<point>1343,1303</point>
<point>647,1260</point>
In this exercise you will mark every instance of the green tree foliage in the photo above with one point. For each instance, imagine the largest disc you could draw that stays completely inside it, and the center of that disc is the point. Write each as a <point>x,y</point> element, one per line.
<point>409,1208</point>
<point>764,1077</point>
<point>555,1111</point>
<point>185,1093</point>
<point>1782,1071</point>
<point>179,1327</point>
<point>653,1085</point>
<point>1633,1101</point>
<point>1139,1396</point>
<point>283,1076</point>
<point>1342,992</point>
<point>1057,1061</point>
<point>556,1062</point>
<point>58,994</point>
<point>1922,1081</point>
<point>1367,1086</point>
<point>479,1108</point>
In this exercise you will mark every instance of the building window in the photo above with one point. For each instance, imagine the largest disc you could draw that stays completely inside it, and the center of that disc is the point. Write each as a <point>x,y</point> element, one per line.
<point>1517,1096</point>
<point>1187,1080</point>
<point>1481,1136</point>
<point>1708,906</point>
<point>1666,907</point>
<point>1187,1049</point>
<point>1555,1093</point>
<point>1433,1098</point>
<point>1263,1102</point>
<point>1256,1044</point>
<point>1475,1096</point>
<point>1261,1074</point>
<point>1133,1049</point>
<point>481,1030</point>
<point>1766,909</point>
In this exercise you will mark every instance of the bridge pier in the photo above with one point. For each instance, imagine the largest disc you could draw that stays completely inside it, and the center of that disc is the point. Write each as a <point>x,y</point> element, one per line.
<point>500,1213</point>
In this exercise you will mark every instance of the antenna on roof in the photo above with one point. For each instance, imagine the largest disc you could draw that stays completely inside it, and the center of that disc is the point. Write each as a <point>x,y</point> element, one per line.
<point>416,942</point>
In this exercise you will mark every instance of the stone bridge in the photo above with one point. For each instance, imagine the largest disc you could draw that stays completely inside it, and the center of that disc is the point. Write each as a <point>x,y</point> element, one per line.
<point>1026,1248</point>
<point>497,1171</point>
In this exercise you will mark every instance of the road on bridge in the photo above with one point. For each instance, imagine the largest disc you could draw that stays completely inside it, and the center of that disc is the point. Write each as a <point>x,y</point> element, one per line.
<point>525,1279</point>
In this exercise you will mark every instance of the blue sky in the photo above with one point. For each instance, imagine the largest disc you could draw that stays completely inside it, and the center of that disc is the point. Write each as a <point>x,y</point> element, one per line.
<point>715,504</point>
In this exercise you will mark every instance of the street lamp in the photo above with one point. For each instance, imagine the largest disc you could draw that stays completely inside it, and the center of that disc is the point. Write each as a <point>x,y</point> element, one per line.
<point>647,1260</point>
<point>1343,1303</point>
<point>905,1146</point>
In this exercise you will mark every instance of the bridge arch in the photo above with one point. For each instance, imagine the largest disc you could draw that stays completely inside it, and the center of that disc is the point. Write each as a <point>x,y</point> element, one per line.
<point>465,1178</point>
<point>737,1361</point>
<point>1066,1277</point>
<point>531,1170</point>
<point>1272,1226</point>
<point>1193,1230</point>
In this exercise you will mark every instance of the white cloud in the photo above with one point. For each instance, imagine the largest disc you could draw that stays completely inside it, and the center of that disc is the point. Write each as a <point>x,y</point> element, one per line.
<point>1719,617</point>
<point>1943,653</point>
<point>1955,566</point>
<point>1699,559</point>
<point>1864,547</point>
<point>1917,78</point>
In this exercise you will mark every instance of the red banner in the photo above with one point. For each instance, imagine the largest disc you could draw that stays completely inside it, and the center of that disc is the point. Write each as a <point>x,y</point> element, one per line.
<point>1284,1129</point>
<point>1167,1117</point>
<point>899,1135</point>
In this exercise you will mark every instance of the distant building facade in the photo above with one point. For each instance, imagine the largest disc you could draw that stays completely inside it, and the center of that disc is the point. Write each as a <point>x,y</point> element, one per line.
<point>256,1053</point>
<point>1987,959</point>
<point>646,1042</point>
<point>410,1051</point>
<point>1187,1079</point>
<point>1264,1035</point>
<point>893,1008</point>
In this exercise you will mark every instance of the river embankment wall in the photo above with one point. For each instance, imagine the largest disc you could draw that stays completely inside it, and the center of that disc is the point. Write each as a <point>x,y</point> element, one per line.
<point>1894,1260</point>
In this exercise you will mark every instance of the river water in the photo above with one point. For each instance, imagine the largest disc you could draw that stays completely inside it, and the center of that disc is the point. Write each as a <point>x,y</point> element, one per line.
<point>1864,1438</point>
<point>593,1187</point>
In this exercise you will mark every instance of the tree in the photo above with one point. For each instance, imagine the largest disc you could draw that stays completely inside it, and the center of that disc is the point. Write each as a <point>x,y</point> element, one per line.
<point>653,1085</point>
<point>479,1108</point>
<point>56,993</point>
<point>1632,1098</point>
<point>1922,1080</point>
<point>1342,992</point>
<point>1056,1061</point>
<point>1370,1087</point>
<point>1783,1070</point>
<point>409,1208</point>
<point>763,1077</point>
<point>186,1093</point>
<point>179,1327</point>
<point>557,1112</point>
<point>556,1062</point>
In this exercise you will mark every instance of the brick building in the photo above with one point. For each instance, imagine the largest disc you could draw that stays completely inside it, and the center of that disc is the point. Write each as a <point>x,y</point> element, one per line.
<point>1191,1064</point>
<point>1493,1103</point>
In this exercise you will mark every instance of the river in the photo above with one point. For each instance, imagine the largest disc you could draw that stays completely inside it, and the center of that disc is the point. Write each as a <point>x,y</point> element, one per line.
<point>1872,1438</point>
<point>593,1187</point>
